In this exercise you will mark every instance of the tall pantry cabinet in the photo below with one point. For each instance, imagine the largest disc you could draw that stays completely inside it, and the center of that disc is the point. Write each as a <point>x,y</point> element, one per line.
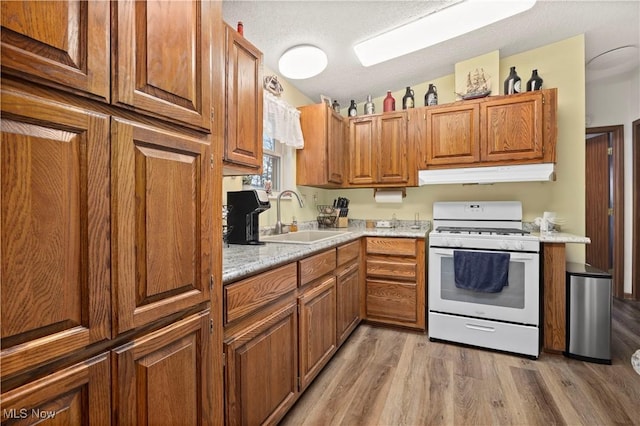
<point>110,179</point>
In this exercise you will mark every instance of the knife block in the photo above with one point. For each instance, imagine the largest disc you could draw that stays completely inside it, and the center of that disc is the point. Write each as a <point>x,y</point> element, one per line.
<point>342,222</point>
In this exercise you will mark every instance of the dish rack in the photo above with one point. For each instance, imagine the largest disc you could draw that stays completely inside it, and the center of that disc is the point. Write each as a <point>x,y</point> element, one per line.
<point>327,216</point>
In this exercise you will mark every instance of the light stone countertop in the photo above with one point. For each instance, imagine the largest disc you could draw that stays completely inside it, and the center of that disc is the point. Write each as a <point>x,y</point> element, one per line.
<point>562,237</point>
<point>240,261</point>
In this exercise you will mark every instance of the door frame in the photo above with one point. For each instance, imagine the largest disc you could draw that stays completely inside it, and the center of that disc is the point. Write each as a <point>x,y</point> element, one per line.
<point>617,137</point>
<point>635,233</point>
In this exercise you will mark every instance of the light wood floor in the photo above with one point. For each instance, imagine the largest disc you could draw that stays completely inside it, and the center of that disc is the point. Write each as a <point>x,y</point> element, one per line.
<point>389,377</point>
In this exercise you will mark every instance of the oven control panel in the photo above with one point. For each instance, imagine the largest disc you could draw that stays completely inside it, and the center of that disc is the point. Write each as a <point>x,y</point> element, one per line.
<point>495,242</point>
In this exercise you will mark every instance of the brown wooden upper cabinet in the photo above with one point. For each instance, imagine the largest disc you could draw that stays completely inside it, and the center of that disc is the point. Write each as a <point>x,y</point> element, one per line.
<point>243,106</point>
<point>322,161</point>
<point>378,150</point>
<point>54,181</point>
<point>146,60</point>
<point>514,129</point>
<point>161,230</point>
<point>60,44</point>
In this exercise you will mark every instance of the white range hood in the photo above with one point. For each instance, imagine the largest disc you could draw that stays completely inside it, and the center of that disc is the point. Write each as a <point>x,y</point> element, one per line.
<point>484,175</point>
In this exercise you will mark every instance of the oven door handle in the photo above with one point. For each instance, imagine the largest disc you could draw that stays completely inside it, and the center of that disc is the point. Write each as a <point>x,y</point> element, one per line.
<point>514,255</point>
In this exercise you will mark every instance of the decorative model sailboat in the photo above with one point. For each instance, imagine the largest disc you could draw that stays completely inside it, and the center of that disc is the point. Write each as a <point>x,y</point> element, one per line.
<point>478,85</point>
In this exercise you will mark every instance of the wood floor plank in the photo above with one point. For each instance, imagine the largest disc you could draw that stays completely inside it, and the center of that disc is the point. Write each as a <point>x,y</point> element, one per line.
<point>384,376</point>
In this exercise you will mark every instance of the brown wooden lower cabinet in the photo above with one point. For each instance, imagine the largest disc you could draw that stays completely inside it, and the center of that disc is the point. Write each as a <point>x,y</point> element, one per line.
<point>347,301</point>
<point>76,395</point>
<point>317,328</point>
<point>163,377</point>
<point>262,368</point>
<point>395,291</point>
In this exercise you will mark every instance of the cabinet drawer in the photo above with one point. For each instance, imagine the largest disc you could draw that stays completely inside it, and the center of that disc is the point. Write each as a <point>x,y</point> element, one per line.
<point>394,269</point>
<point>245,296</point>
<point>348,252</point>
<point>392,246</point>
<point>391,301</point>
<point>316,266</point>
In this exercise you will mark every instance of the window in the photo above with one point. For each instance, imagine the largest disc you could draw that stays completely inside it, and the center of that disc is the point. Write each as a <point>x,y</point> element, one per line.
<point>271,177</point>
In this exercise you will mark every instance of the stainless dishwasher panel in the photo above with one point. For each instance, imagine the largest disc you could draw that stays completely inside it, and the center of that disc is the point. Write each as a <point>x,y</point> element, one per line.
<point>588,313</point>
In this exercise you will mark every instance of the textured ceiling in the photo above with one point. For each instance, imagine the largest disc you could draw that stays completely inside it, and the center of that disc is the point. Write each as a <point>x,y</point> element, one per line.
<point>335,26</point>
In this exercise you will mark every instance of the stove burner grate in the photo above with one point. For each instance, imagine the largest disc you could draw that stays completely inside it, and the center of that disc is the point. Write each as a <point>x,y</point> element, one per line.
<point>481,231</point>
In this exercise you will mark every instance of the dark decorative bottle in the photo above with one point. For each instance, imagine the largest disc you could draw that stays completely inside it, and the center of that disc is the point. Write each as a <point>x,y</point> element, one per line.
<point>535,82</point>
<point>408,100</point>
<point>431,97</point>
<point>512,83</point>
<point>369,107</point>
<point>336,106</point>
<point>389,103</point>
<point>240,28</point>
<point>353,110</point>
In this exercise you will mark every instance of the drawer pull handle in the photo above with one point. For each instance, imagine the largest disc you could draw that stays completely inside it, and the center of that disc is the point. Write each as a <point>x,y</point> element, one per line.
<point>480,328</point>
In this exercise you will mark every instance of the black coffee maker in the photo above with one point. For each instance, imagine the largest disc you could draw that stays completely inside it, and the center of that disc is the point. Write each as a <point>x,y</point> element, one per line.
<point>242,219</point>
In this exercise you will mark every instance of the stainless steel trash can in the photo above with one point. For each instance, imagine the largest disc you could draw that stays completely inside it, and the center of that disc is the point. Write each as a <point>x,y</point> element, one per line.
<point>588,313</point>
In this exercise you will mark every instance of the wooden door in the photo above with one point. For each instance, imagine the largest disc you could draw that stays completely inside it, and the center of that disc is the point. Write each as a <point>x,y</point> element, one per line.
<point>164,378</point>
<point>336,151</point>
<point>80,394</point>
<point>317,328</point>
<point>262,369</point>
<point>161,236</point>
<point>362,150</point>
<point>597,202</point>
<point>393,163</point>
<point>162,58</point>
<point>512,128</point>
<point>62,44</point>
<point>243,142</point>
<point>453,135</point>
<point>54,229</point>
<point>347,301</point>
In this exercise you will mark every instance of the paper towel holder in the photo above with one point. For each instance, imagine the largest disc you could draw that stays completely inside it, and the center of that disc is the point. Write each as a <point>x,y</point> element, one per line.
<point>404,191</point>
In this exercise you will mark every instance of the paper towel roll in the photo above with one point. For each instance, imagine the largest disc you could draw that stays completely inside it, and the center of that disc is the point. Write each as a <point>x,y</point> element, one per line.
<point>388,196</point>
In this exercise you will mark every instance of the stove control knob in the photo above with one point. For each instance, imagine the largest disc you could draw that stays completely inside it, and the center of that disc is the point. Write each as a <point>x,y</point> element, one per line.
<point>445,242</point>
<point>457,243</point>
<point>504,245</point>
<point>519,245</point>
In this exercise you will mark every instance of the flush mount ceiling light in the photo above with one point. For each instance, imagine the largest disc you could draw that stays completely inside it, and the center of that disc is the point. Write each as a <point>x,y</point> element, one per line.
<point>437,27</point>
<point>303,61</point>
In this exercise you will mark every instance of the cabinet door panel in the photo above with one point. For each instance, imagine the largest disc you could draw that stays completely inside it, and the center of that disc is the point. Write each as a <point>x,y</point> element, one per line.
<point>160,227</point>
<point>160,73</point>
<point>393,301</point>
<point>62,43</point>
<point>165,377</point>
<point>55,277</point>
<point>76,395</point>
<point>362,151</point>
<point>347,301</point>
<point>453,135</point>
<point>262,368</point>
<point>393,268</point>
<point>243,144</point>
<point>335,148</point>
<point>512,130</point>
<point>317,329</point>
<point>392,158</point>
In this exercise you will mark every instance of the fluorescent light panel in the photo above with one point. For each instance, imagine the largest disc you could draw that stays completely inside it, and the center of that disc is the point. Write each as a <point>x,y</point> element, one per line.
<point>437,27</point>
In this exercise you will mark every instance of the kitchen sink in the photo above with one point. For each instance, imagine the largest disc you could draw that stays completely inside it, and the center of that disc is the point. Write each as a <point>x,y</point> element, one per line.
<point>302,237</point>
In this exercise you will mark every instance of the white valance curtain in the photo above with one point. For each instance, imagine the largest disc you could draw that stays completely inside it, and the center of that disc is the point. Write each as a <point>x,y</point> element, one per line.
<point>281,121</point>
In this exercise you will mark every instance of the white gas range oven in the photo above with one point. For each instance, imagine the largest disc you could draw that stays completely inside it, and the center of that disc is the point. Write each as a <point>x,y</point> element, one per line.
<point>484,277</point>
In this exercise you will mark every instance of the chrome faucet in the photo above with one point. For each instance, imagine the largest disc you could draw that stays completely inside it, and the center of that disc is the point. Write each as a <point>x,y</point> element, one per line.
<point>278,229</point>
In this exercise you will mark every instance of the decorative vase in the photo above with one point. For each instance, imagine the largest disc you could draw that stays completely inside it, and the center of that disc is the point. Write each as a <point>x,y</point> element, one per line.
<point>353,110</point>
<point>431,97</point>
<point>535,82</point>
<point>369,107</point>
<point>389,103</point>
<point>512,83</point>
<point>408,99</point>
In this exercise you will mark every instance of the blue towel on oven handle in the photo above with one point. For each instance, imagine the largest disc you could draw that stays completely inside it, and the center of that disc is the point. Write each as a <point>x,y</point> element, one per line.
<point>481,271</point>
